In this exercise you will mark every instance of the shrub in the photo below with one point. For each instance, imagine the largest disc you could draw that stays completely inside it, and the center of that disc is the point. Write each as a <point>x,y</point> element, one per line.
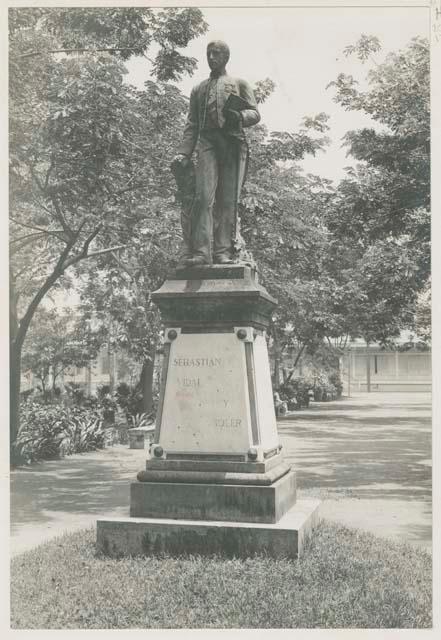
<point>128,399</point>
<point>75,392</point>
<point>296,391</point>
<point>51,431</point>
<point>102,391</point>
<point>83,433</point>
<point>140,420</point>
<point>41,432</point>
<point>335,380</point>
<point>106,403</point>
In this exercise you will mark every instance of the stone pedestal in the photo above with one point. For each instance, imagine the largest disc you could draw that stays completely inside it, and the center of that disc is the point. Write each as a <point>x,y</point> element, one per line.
<point>216,478</point>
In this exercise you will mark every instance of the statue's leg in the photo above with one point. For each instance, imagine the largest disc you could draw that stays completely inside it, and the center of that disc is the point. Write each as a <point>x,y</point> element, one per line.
<point>206,184</point>
<point>186,190</point>
<point>232,163</point>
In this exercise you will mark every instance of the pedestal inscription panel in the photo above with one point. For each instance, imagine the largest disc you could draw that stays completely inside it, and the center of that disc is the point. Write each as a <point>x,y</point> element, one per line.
<point>206,404</point>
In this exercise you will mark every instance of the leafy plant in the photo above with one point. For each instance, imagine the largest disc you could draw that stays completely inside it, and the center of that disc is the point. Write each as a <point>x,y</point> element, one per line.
<point>51,431</point>
<point>75,392</point>
<point>83,434</point>
<point>140,420</point>
<point>128,399</point>
<point>298,389</point>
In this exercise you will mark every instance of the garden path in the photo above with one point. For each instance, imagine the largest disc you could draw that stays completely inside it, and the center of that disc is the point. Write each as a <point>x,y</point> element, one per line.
<point>368,457</point>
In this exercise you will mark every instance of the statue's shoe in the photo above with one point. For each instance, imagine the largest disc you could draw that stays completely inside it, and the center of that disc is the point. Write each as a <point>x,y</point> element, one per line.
<point>223,260</point>
<point>196,261</point>
<point>182,262</point>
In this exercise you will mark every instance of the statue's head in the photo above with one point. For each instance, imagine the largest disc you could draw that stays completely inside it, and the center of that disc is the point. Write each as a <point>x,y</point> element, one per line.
<point>218,55</point>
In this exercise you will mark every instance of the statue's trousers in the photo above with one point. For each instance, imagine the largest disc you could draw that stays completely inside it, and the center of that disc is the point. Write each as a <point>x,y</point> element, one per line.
<point>220,172</point>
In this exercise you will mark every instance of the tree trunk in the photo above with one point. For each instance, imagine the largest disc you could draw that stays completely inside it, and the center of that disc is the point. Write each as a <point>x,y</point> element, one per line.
<point>89,380</point>
<point>146,383</point>
<point>18,329</point>
<point>295,364</point>
<point>54,379</point>
<point>14,400</point>
<point>14,372</point>
<point>111,356</point>
<point>277,356</point>
<point>368,369</point>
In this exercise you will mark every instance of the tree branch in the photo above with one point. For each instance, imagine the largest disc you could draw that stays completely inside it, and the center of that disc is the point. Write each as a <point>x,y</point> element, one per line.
<point>35,177</point>
<point>51,166</point>
<point>296,360</point>
<point>122,266</point>
<point>30,54</point>
<point>25,241</point>
<point>27,236</point>
<point>34,228</point>
<point>84,251</point>
<point>60,217</point>
<point>50,280</point>
<point>94,254</point>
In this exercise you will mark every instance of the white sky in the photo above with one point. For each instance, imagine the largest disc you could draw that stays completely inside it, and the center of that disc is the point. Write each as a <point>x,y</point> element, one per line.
<point>301,50</point>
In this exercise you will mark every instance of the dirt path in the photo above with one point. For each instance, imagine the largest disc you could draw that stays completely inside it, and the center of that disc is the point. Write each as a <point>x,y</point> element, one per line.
<point>368,457</point>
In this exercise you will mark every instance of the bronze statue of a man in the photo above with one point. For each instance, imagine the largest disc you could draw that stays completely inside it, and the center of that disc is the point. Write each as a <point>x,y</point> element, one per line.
<point>220,108</point>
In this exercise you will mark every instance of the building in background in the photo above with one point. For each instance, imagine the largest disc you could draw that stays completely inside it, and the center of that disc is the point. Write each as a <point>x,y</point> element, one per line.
<point>109,368</point>
<point>385,369</point>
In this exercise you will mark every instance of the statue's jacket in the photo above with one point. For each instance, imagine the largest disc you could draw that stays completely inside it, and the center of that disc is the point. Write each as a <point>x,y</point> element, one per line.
<point>226,85</point>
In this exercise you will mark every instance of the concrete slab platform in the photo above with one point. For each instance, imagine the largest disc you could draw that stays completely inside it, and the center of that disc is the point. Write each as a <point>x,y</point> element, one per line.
<point>120,537</point>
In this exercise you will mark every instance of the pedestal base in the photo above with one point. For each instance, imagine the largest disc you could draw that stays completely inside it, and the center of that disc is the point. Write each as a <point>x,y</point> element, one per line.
<point>199,501</point>
<point>147,536</point>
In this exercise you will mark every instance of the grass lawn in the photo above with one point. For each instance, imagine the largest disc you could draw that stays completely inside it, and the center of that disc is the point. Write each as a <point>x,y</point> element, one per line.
<point>345,578</point>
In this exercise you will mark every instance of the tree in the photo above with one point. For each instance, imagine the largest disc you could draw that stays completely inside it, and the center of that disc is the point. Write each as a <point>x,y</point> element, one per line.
<point>76,166</point>
<point>380,214</point>
<point>53,344</point>
<point>282,221</point>
<point>423,319</point>
<point>119,300</point>
<point>349,261</point>
<point>387,196</point>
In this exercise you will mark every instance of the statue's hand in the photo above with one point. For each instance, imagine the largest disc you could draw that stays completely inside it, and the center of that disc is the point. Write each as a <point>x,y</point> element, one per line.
<point>180,161</point>
<point>232,118</point>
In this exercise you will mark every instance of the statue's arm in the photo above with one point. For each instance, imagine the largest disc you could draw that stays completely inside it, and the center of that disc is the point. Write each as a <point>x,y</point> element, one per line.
<point>191,129</point>
<point>249,116</point>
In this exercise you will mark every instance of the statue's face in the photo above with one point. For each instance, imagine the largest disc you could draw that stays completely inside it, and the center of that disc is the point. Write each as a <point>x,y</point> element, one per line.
<point>217,57</point>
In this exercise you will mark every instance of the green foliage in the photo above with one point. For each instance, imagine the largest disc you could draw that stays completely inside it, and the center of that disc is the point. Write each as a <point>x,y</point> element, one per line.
<point>423,323</point>
<point>89,155</point>
<point>51,431</point>
<point>263,89</point>
<point>52,345</point>
<point>396,181</point>
<point>129,399</point>
<point>139,420</point>
<point>75,392</point>
<point>282,220</point>
<point>83,434</point>
<point>297,391</point>
<point>345,579</point>
<point>380,216</point>
<point>122,31</point>
<point>365,47</point>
